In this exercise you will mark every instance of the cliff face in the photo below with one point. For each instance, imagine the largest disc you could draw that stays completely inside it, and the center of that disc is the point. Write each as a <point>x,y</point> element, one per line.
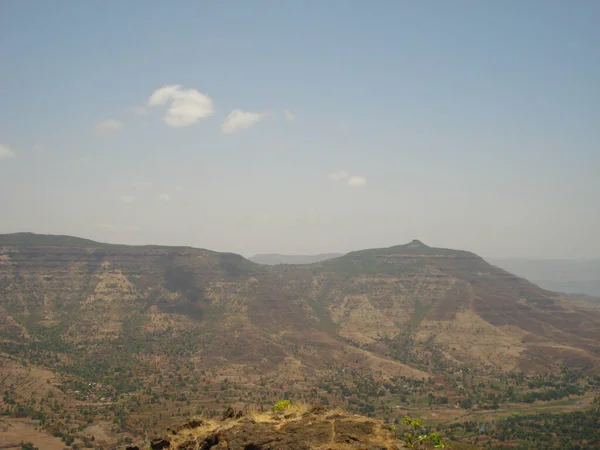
<point>363,307</point>
<point>297,428</point>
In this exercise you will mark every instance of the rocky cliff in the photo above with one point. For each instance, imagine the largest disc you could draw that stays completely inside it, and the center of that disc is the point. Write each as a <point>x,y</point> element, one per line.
<point>296,428</point>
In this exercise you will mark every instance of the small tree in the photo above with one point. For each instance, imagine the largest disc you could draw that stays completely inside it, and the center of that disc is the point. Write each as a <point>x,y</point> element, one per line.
<point>416,436</point>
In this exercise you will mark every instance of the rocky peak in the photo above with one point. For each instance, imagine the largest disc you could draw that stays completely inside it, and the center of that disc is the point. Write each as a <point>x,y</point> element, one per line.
<point>415,243</point>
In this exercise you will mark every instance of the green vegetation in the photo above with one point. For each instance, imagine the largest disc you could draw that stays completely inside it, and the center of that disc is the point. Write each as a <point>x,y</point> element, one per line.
<point>418,438</point>
<point>574,430</point>
<point>28,446</point>
<point>281,405</point>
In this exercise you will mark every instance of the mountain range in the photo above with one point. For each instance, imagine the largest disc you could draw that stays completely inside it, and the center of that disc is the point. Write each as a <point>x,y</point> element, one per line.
<point>571,276</point>
<point>191,328</point>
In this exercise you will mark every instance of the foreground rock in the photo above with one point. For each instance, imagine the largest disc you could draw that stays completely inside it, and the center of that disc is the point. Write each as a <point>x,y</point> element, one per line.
<point>299,428</point>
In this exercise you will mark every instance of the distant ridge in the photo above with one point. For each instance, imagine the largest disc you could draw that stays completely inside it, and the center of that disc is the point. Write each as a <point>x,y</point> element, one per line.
<point>573,276</point>
<point>46,240</point>
<point>276,258</point>
<point>414,246</point>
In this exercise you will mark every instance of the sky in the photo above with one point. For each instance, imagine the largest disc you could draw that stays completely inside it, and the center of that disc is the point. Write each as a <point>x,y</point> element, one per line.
<point>305,127</point>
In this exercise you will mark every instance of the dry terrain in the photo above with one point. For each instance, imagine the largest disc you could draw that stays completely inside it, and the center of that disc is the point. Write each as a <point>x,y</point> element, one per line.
<point>105,343</point>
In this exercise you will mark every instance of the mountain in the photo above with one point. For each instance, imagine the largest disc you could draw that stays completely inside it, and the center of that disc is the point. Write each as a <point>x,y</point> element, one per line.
<point>98,337</point>
<point>573,276</point>
<point>275,258</point>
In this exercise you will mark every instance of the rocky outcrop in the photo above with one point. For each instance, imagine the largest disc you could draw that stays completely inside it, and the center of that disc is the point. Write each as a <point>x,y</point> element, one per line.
<point>298,428</point>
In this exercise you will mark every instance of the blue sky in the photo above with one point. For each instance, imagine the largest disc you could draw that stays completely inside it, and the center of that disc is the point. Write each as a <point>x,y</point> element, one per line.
<point>304,126</point>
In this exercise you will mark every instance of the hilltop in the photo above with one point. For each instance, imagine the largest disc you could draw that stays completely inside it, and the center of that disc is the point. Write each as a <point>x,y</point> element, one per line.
<point>122,329</point>
<point>296,428</point>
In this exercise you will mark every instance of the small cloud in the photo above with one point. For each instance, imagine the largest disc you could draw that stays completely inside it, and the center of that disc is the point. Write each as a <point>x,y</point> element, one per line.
<point>126,198</point>
<point>7,152</point>
<point>357,181</point>
<point>340,175</point>
<point>289,115</point>
<point>186,106</point>
<point>38,148</point>
<point>164,197</point>
<point>139,110</point>
<point>179,188</point>
<point>240,120</point>
<point>107,126</point>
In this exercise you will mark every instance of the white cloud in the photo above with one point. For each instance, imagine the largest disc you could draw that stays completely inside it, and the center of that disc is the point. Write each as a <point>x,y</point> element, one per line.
<point>7,152</point>
<point>289,115</point>
<point>107,126</point>
<point>186,106</point>
<point>339,175</point>
<point>164,197</point>
<point>240,120</point>
<point>127,198</point>
<point>357,181</point>
<point>179,188</point>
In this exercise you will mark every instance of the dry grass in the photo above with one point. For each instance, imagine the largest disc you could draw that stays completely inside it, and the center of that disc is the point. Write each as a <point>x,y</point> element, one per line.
<point>280,418</point>
<point>14,431</point>
<point>469,336</point>
<point>298,412</point>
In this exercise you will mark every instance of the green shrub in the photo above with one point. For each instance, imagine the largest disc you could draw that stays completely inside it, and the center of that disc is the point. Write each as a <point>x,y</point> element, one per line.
<point>281,405</point>
<point>415,439</point>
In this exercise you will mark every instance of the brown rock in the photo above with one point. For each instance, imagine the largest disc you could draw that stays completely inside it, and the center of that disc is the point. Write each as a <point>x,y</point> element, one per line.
<point>189,425</point>
<point>190,444</point>
<point>317,430</point>
<point>309,431</point>
<point>228,414</point>
<point>159,443</point>
<point>211,442</point>
<point>261,436</point>
<point>318,410</point>
<point>352,431</point>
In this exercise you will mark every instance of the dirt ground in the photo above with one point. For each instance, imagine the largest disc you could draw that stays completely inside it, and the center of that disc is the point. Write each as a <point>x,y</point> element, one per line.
<point>15,431</point>
<point>100,433</point>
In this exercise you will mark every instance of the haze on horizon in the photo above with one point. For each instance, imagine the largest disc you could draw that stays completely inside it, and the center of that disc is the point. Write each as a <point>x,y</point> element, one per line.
<point>304,127</point>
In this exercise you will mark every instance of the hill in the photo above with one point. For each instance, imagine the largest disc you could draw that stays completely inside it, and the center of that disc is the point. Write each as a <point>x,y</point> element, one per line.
<point>276,258</point>
<point>121,332</point>
<point>295,428</point>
